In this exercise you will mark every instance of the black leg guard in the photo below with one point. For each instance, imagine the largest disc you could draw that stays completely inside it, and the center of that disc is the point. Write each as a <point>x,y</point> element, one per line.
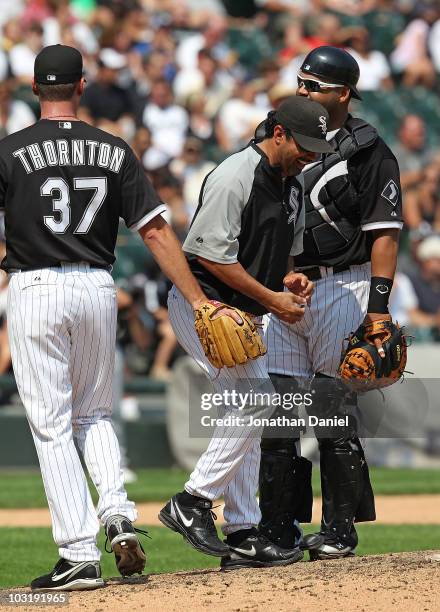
<point>285,491</point>
<point>347,495</point>
<point>285,484</point>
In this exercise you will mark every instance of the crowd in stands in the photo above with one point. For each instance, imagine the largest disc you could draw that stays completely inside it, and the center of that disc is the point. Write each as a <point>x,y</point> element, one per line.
<point>186,82</point>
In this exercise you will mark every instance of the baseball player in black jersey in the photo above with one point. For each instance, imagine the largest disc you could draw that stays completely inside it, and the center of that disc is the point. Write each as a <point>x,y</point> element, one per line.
<point>63,187</point>
<point>249,219</point>
<point>353,216</point>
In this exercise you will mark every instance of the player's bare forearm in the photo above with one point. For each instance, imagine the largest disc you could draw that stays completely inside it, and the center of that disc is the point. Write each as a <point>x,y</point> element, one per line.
<point>159,237</point>
<point>384,252</point>
<point>286,306</point>
<point>236,277</point>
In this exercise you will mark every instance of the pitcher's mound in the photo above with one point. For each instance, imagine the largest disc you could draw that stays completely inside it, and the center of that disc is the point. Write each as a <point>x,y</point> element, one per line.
<point>400,581</point>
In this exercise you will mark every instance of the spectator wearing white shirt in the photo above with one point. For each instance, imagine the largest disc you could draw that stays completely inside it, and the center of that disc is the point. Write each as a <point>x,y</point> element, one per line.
<point>168,124</point>
<point>63,18</point>
<point>403,299</point>
<point>10,10</point>
<point>239,117</point>
<point>15,115</point>
<point>212,37</point>
<point>216,84</point>
<point>410,57</point>
<point>191,169</point>
<point>434,44</point>
<point>375,72</point>
<point>22,56</point>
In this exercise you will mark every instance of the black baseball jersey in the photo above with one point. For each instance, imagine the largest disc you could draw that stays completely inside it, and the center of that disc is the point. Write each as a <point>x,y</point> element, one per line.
<point>348,193</point>
<point>249,214</point>
<point>63,187</point>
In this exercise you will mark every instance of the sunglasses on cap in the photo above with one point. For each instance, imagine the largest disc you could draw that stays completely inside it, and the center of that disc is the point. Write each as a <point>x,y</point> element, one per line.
<point>316,86</point>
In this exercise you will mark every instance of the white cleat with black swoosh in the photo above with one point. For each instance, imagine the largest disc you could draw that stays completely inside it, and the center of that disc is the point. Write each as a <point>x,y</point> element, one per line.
<point>70,576</point>
<point>255,550</point>
<point>195,523</point>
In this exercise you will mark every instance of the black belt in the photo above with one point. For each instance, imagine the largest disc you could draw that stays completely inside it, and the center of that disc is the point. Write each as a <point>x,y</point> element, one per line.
<point>314,272</point>
<point>60,265</point>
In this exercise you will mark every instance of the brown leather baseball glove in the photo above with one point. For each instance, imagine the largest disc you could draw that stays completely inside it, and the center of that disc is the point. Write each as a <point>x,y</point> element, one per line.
<point>361,365</point>
<point>225,341</point>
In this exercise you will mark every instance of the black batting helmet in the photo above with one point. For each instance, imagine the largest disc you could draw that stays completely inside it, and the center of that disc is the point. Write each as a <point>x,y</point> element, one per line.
<point>335,65</point>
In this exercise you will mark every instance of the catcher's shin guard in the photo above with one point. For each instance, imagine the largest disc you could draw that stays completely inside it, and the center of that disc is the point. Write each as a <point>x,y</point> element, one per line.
<point>285,491</point>
<point>347,495</point>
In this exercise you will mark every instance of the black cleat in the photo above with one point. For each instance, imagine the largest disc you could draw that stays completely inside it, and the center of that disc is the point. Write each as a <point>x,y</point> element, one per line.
<point>195,523</point>
<point>326,547</point>
<point>70,576</point>
<point>129,554</point>
<point>311,541</point>
<point>255,550</point>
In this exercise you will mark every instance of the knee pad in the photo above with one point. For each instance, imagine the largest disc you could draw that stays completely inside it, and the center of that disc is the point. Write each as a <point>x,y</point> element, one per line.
<point>283,438</point>
<point>331,399</point>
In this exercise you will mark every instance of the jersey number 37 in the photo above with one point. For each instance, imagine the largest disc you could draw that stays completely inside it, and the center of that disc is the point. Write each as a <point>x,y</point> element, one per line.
<point>58,190</point>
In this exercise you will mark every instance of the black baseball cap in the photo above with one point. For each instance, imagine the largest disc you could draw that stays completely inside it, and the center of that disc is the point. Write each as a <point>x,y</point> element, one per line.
<point>307,121</point>
<point>58,65</point>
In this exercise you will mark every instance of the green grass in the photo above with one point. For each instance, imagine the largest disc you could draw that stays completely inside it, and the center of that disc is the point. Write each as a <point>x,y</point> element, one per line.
<point>22,489</point>
<point>34,552</point>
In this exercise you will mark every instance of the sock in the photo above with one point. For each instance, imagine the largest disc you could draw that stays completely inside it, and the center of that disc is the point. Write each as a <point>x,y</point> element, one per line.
<point>238,536</point>
<point>188,500</point>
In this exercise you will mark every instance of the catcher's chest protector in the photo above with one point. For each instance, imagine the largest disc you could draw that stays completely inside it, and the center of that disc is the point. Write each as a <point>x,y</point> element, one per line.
<point>332,207</point>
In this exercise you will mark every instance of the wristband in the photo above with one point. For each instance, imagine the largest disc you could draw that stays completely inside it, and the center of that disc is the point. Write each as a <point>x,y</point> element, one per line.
<point>380,289</point>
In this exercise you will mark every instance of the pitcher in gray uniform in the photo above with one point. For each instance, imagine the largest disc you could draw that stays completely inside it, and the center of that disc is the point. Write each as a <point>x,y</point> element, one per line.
<point>249,219</point>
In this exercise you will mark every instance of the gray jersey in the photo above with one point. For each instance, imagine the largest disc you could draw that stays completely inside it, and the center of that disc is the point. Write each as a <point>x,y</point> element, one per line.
<point>247,213</point>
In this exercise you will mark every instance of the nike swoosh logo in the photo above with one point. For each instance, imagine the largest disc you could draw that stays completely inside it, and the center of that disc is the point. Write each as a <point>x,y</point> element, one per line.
<point>71,572</point>
<point>185,521</point>
<point>245,551</point>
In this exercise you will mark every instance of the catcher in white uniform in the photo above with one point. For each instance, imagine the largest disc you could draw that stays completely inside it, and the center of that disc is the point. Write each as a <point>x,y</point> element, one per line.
<point>353,218</point>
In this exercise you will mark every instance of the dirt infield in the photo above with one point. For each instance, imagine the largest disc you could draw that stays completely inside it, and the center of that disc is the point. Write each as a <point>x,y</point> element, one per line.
<point>404,581</point>
<point>390,509</point>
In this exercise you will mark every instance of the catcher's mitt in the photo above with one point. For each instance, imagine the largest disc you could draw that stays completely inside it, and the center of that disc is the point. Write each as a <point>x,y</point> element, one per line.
<point>226,342</point>
<point>362,367</point>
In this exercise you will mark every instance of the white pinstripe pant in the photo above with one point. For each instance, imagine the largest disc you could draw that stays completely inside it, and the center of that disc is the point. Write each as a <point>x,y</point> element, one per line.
<point>62,328</point>
<point>338,307</point>
<point>230,465</point>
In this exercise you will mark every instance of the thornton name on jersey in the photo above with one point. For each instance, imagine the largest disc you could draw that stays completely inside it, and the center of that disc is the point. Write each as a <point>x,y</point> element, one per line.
<point>75,152</point>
